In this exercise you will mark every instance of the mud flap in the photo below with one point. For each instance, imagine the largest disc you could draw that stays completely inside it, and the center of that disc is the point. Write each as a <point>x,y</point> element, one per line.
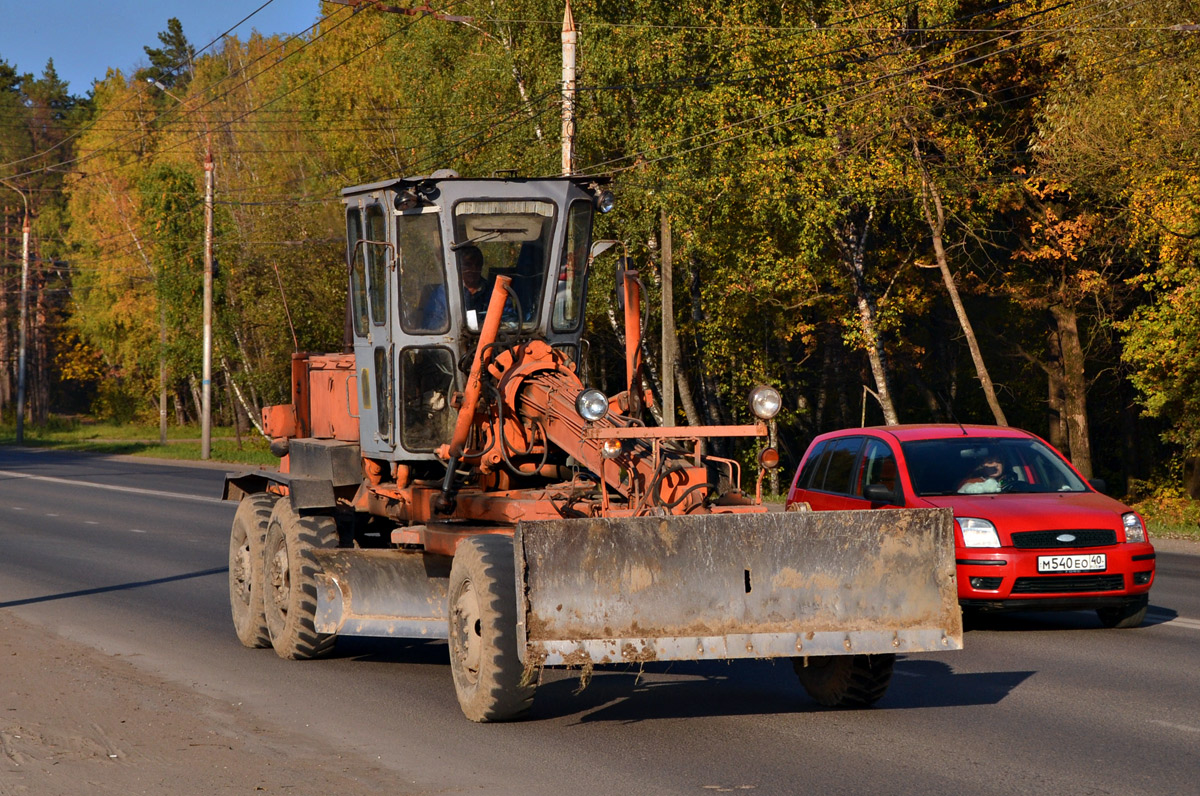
<point>736,586</point>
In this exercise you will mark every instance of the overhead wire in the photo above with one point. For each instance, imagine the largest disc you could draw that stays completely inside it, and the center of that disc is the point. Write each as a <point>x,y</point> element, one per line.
<point>86,126</point>
<point>641,159</point>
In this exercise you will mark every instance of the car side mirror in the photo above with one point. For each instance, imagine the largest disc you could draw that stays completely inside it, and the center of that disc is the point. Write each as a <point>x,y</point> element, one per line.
<point>878,493</point>
<point>1100,485</point>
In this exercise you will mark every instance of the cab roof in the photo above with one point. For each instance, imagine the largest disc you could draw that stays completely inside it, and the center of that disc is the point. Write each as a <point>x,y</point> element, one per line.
<point>399,183</point>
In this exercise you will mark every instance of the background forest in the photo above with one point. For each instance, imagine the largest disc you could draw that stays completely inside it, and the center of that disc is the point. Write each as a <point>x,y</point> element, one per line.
<point>895,211</point>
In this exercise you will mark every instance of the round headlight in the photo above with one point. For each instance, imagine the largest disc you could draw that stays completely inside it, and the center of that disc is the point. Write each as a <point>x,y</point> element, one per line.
<point>765,402</point>
<point>592,405</point>
<point>605,201</point>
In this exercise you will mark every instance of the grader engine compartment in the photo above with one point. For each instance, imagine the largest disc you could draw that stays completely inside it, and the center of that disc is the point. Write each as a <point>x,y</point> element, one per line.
<point>450,475</point>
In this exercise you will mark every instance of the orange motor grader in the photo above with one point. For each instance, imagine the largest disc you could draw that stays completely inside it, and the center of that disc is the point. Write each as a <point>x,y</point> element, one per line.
<point>450,476</point>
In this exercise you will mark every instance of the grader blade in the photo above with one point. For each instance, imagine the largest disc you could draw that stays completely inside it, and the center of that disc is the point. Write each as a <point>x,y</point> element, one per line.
<point>736,586</point>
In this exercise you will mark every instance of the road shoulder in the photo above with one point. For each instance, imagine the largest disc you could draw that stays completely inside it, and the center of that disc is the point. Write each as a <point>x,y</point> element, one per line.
<point>76,721</point>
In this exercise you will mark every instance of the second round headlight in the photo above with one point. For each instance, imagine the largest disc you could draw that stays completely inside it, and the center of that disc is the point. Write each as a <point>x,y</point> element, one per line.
<point>592,405</point>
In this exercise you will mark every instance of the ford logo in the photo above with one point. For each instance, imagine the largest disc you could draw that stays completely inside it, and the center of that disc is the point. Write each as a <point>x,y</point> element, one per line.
<point>1065,537</point>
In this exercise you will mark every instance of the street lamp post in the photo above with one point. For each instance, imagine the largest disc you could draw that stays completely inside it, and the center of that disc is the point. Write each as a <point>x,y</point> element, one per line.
<point>206,375</point>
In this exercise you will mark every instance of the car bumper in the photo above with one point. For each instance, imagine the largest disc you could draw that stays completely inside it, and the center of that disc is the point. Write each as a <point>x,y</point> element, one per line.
<point>1008,579</point>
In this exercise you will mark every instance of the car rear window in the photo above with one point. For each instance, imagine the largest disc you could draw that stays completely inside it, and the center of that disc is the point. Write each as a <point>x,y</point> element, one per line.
<point>964,465</point>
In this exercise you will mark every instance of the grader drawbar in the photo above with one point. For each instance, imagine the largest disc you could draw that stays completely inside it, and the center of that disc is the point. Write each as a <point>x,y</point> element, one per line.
<point>450,476</point>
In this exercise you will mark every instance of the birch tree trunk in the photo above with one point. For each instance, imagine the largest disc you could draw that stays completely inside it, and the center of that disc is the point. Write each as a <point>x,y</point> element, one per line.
<point>852,242</point>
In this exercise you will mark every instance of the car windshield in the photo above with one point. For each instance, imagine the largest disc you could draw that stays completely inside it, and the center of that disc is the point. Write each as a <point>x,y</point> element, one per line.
<point>976,465</point>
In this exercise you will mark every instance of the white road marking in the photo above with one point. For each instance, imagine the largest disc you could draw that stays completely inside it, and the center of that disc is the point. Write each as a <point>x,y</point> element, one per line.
<point>90,522</point>
<point>136,530</point>
<point>1176,621</point>
<point>17,508</point>
<point>131,489</point>
<point>1183,727</point>
<point>906,674</point>
<point>51,515</point>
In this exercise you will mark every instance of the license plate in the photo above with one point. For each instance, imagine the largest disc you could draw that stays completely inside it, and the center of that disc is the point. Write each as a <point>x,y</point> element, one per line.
<point>1096,562</point>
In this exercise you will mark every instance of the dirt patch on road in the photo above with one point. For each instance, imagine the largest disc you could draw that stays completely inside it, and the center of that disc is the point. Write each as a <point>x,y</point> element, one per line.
<point>75,722</point>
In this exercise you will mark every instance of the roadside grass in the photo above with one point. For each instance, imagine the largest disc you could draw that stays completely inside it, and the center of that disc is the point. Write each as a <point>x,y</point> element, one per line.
<point>141,439</point>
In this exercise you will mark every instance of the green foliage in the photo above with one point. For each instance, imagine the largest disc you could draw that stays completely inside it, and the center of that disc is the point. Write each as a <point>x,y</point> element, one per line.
<point>170,64</point>
<point>1062,141</point>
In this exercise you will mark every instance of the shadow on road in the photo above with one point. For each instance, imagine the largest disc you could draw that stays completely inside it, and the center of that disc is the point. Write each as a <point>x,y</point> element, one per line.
<point>740,688</point>
<point>1018,621</point>
<point>118,587</point>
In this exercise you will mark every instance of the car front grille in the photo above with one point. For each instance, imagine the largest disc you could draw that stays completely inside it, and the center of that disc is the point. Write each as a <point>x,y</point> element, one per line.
<point>1068,583</point>
<point>1084,537</point>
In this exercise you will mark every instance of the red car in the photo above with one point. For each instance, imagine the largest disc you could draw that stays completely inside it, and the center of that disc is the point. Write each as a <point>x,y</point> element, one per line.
<point>1029,533</point>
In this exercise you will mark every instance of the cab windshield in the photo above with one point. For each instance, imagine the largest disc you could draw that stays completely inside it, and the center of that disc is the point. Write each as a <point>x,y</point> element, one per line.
<point>980,466</point>
<point>510,237</point>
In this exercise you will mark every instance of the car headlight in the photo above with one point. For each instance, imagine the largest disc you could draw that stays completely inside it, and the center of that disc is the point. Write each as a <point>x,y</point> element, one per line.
<point>592,405</point>
<point>1135,531</point>
<point>765,402</point>
<point>978,533</point>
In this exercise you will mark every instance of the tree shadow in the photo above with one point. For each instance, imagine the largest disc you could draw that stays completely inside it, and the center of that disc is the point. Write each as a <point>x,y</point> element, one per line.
<point>118,587</point>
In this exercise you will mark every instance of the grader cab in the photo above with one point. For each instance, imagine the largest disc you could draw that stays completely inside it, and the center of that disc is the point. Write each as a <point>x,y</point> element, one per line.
<point>450,476</point>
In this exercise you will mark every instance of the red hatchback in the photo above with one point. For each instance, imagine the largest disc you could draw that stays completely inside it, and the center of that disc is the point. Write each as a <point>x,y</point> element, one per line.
<point>1030,532</point>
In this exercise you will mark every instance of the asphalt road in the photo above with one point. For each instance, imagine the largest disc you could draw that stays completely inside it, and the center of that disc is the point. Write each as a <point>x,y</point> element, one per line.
<point>129,557</point>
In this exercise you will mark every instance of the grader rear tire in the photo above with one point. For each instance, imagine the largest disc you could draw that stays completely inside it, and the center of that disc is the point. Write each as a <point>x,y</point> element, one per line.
<point>488,675</point>
<point>246,540</point>
<point>845,681</point>
<point>290,595</point>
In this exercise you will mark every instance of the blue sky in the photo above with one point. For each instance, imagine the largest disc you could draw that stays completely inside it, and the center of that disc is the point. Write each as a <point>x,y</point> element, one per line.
<point>85,37</point>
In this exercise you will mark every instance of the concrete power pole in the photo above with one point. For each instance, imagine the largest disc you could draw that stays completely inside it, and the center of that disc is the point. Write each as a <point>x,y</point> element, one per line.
<point>24,315</point>
<point>668,326</point>
<point>206,383</point>
<point>570,37</point>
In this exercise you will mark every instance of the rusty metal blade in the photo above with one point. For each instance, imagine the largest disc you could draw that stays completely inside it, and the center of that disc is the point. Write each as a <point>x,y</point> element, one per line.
<point>382,593</point>
<point>736,585</point>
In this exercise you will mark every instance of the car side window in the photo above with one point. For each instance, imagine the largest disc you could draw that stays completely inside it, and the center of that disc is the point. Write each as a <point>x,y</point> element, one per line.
<point>815,463</point>
<point>877,466</point>
<point>843,455</point>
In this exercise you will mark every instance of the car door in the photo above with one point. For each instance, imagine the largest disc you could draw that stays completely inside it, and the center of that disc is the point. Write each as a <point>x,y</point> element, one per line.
<point>829,484</point>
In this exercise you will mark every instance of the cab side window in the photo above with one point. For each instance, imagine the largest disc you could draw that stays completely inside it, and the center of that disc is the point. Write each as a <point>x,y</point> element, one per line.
<point>356,257</point>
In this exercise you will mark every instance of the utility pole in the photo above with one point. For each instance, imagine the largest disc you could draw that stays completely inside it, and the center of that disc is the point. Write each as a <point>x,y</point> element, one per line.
<point>570,37</point>
<point>24,313</point>
<point>23,323</point>
<point>206,383</point>
<point>206,375</point>
<point>668,326</point>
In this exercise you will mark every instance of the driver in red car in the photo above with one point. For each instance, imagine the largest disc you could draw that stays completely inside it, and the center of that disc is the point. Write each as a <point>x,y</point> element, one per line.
<point>988,477</point>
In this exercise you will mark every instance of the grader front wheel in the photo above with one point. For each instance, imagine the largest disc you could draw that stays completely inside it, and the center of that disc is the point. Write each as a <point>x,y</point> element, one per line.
<point>246,540</point>
<point>845,681</point>
<point>290,594</point>
<point>487,671</point>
